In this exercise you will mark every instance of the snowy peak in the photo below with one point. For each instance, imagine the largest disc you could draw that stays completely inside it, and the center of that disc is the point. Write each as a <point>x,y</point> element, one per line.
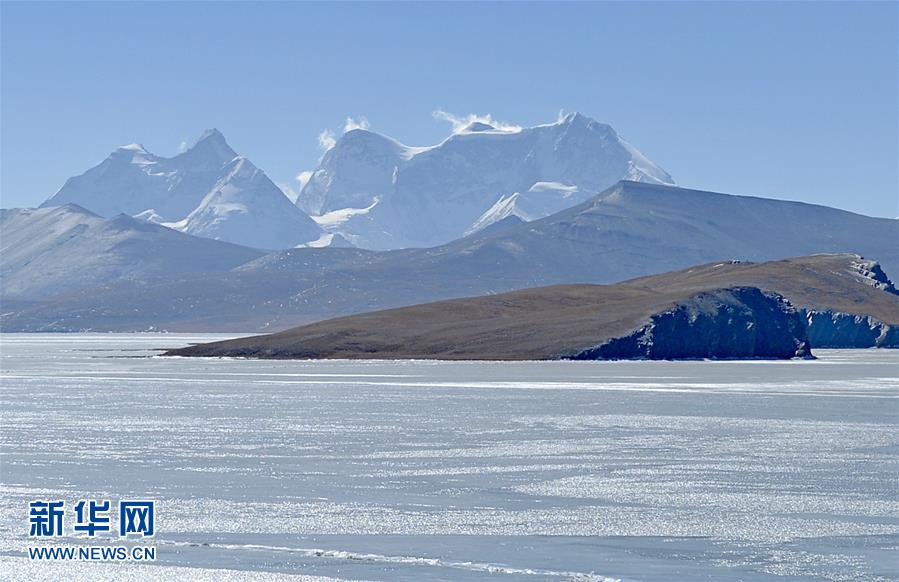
<point>426,196</point>
<point>367,143</point>
<point>361,166</point>
<point>211,135</point>
<point>207,190</point>
<point>211,146</point>
<point>246,208</point>
<point>579,120</point>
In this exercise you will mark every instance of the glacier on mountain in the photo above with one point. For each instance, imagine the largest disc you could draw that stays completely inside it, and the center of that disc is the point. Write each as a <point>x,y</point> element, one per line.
<point>389,195</point>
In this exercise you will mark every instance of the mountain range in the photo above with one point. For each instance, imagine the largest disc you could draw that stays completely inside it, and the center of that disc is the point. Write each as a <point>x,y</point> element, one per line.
<point>630,230</point>
<point>369,190</point>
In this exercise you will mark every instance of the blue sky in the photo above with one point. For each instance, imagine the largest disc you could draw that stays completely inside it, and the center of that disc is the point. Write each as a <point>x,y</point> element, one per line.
<point>788,100</point>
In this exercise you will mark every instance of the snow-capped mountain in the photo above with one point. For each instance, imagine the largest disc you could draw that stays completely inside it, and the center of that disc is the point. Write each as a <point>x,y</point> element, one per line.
<point>60,248</point>
<point>208,191</point>
<point>245,207</point>
<point>381,194</point>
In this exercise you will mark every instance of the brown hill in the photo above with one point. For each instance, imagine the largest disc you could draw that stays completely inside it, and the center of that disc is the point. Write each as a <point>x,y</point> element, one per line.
<point>559,322</point>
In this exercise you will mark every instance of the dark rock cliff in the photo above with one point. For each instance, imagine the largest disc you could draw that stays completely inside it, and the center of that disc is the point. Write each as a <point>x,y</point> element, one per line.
<point>742,322</point>
<point>829,329</point>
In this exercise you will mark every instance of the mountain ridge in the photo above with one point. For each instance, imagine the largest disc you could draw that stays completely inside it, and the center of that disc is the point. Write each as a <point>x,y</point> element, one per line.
<point>80,248</point>
<point>630,230</point>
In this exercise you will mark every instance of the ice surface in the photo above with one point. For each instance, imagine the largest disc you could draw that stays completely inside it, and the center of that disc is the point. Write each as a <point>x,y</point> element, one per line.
<point>460,471</point>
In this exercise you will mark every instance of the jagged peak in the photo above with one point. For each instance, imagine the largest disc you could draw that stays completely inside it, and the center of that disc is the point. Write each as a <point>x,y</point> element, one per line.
<point>579,120</point>
<point>575,117</point>
<point>211,142</point>
<point>210,134</point>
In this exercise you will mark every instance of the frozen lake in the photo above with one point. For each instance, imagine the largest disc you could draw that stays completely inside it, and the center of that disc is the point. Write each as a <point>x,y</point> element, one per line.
<point>458,471</point>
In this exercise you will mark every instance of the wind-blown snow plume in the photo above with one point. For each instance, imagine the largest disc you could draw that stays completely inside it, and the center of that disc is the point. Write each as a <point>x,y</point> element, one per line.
<point>352,123</point>
<point>291,194</point>
<point>326,139</point>
<point>460,123</point>
<point>304,177</point>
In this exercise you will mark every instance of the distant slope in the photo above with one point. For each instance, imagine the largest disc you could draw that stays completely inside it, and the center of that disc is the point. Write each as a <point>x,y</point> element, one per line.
<point>58,249</point>
<point>207,190</point>
<point>628,231</point>
<point>573,321</point>
<point>634,229</point>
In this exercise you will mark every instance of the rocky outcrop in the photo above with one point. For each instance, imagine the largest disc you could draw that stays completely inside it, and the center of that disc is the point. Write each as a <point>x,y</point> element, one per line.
<point>742,322</point>
<point>871,273</point>
<point>829,329</point>
<point>847,300</point>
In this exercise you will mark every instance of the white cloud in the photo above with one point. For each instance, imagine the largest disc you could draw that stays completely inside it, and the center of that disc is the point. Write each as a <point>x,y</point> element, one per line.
<point>326,139</point>
<point>291,194</point>
<point>182,147</point>
<point>304,177</point>
<point>360,123</point>
<point>460,123</point>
